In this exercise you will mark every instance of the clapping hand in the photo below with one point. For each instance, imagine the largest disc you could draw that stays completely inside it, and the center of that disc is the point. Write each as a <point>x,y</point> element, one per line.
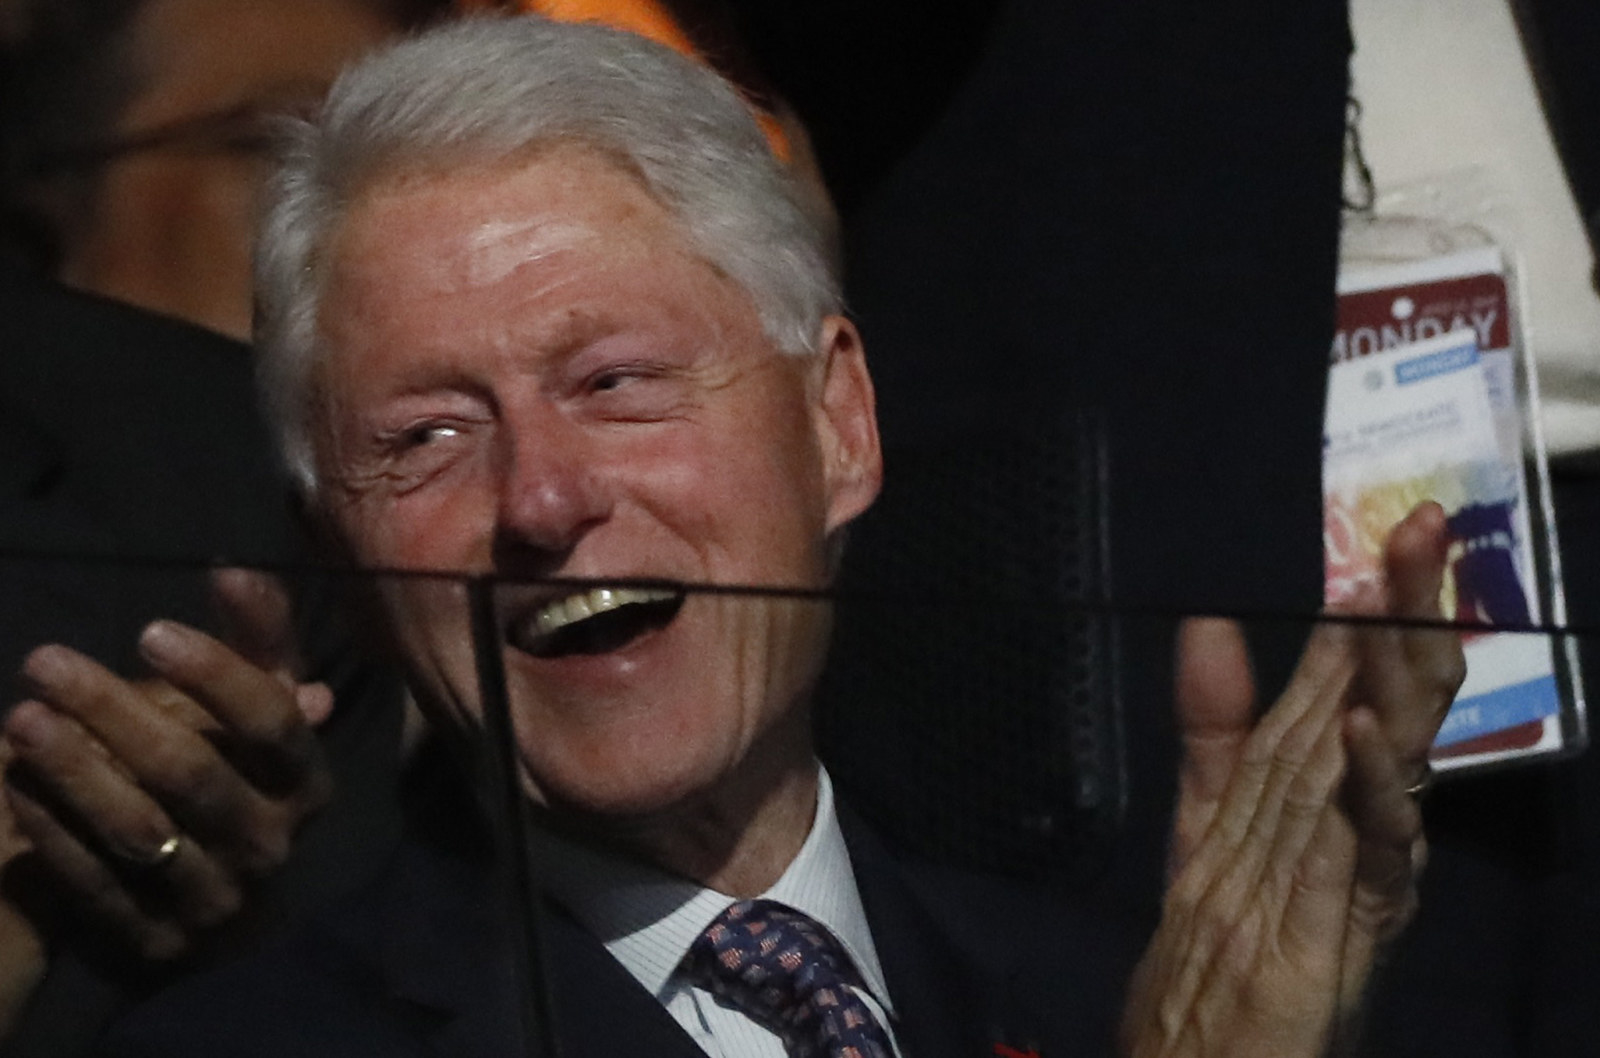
<point>150,806</point>
<point>1297,842</point>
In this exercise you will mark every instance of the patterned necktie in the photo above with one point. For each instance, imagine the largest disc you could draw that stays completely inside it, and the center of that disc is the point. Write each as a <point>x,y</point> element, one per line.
<point>786,972</point>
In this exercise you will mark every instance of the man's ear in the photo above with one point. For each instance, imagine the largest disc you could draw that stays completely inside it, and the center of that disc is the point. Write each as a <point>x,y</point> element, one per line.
<point>847,424</point>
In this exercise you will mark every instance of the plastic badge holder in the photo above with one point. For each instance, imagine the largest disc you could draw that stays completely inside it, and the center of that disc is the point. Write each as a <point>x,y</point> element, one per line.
<point>1433,395</point>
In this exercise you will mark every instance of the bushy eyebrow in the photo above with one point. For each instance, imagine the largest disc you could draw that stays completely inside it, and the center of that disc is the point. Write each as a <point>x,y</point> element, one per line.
<point>554,344</point>
<point>576,330</point>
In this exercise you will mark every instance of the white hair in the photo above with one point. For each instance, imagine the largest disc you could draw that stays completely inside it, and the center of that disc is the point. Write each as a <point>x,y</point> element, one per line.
<point>482,91</point>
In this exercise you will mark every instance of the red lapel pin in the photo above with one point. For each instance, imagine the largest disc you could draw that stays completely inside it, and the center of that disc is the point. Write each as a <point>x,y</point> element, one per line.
<point>1001,1050</point>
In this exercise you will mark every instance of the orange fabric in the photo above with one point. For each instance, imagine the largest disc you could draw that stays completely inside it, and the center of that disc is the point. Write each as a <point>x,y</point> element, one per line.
<point>644,17</point>
<point>648,18</point>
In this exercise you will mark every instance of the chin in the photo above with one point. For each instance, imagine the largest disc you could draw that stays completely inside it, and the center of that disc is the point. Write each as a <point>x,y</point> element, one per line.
<point>630,797</point>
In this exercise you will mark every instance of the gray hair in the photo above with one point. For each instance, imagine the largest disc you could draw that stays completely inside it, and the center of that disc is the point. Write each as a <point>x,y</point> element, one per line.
<point>488,90</point>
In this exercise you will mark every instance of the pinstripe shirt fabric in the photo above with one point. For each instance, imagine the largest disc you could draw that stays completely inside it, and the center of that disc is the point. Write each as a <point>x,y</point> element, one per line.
<point>647,920</point>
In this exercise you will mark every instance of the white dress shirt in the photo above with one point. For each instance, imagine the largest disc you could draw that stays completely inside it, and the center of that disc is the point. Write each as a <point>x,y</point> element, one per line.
<point>648,919</point>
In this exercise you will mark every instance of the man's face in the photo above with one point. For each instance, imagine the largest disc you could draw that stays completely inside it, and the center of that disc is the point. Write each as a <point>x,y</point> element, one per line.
<point>532,373</point>
<point>173,223</point>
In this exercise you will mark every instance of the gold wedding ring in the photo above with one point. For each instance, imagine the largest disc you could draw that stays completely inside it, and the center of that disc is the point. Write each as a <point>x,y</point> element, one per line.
<point>167,852</point>
<point>152,861</point>
<point>1423,784</point>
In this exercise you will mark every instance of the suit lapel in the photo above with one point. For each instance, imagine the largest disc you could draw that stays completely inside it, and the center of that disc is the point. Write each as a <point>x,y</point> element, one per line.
<point>436,939</point>
<point>948,1001</point>
<point>450,973</point>
<point>600,1010</point>
<point>946,1006</point>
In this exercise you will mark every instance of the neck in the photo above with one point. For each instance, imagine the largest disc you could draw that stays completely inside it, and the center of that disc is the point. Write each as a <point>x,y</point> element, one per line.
<point>738,837</point>
<point>167,242</point>
<point>740,857</point>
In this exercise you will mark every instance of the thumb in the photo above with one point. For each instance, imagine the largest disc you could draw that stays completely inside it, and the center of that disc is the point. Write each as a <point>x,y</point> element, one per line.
<point>258,621</point>
<point>1214,697</point>
<point>257,616</point>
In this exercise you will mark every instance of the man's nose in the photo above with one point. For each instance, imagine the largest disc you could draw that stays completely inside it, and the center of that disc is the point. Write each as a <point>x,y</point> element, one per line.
<point>551,492</point>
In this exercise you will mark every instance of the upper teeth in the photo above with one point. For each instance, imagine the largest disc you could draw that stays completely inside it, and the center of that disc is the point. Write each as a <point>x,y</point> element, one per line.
<point>559,613</point>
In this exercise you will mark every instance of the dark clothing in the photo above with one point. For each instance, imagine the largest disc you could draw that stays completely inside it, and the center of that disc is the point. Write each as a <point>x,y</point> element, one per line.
<point>1130,208</point>
<point>127,436</point>
<point>131,457</point>
<point>421,965</point>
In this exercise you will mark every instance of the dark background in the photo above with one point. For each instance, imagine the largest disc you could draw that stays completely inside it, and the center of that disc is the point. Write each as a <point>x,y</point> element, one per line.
<point>1126,208</point>
<point>1134,208</point>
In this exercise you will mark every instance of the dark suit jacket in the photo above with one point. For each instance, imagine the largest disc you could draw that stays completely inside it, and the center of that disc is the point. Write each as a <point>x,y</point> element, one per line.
<point>122,435</point>
<point>131,454</point>
<point>422,966</point>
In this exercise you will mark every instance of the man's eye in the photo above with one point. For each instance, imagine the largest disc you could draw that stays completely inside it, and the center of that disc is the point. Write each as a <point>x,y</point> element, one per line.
<point>632,392</point>
<point>607,381</point>
<point>418,436</point>
<point>406,457</point>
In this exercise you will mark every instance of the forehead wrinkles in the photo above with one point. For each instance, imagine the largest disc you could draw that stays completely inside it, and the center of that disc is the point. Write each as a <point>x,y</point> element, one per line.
<point>574,199</point>
<point>420,238</point>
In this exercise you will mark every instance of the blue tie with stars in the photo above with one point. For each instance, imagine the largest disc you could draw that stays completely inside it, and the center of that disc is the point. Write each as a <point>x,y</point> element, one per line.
<point>778,967</point>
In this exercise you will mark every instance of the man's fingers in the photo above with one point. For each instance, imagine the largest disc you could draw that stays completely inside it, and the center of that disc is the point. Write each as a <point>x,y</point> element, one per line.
<point>1265,881</point>
<point>189,892</point>
<point>1215,697</point>
<point>72,867</point>
<point>1389,824</point>
<point>1268,780</point>
<point>245,804</point>
<point>258,618</point>
<point>1300,770</point>
<point>243,707</point>
<point>1296,864</point>
<point>1314,858</point>
<point>12,841</point>
<point>175,704</point>
<point>60,754</point>
<point>1410,675</point>
<point>1414,560</point>
<point>104,838</point>
<point>1316,912</point>
<point>263,727</point>
<point>315,702</point>
<point>1409,678</point>
<point>130,811</point>
<point>1378,803</point>
<point>126,723</point>
<point>1414,569</point>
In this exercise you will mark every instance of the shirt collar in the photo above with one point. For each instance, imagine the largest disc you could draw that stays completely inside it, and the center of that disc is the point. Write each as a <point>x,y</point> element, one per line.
<point>647,919</point>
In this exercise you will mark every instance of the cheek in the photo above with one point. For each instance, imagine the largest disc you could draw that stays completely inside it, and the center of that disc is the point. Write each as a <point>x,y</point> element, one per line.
<point>430,624</point>
<point>428,529</point>
<point>755,510</point>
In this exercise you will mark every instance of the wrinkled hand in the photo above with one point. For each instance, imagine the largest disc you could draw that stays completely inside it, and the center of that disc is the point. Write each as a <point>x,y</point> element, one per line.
<point>218,752</point>
<point>1296,846</point>
<point>1407,679</point>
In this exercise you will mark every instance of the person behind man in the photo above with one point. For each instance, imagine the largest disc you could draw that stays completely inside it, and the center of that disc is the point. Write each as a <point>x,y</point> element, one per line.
<point>133,135</point>
<point>132,147</point>
<point>537,302</point>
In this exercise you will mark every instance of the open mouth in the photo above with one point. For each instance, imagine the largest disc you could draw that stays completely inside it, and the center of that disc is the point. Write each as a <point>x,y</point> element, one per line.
<point>596,621</point>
